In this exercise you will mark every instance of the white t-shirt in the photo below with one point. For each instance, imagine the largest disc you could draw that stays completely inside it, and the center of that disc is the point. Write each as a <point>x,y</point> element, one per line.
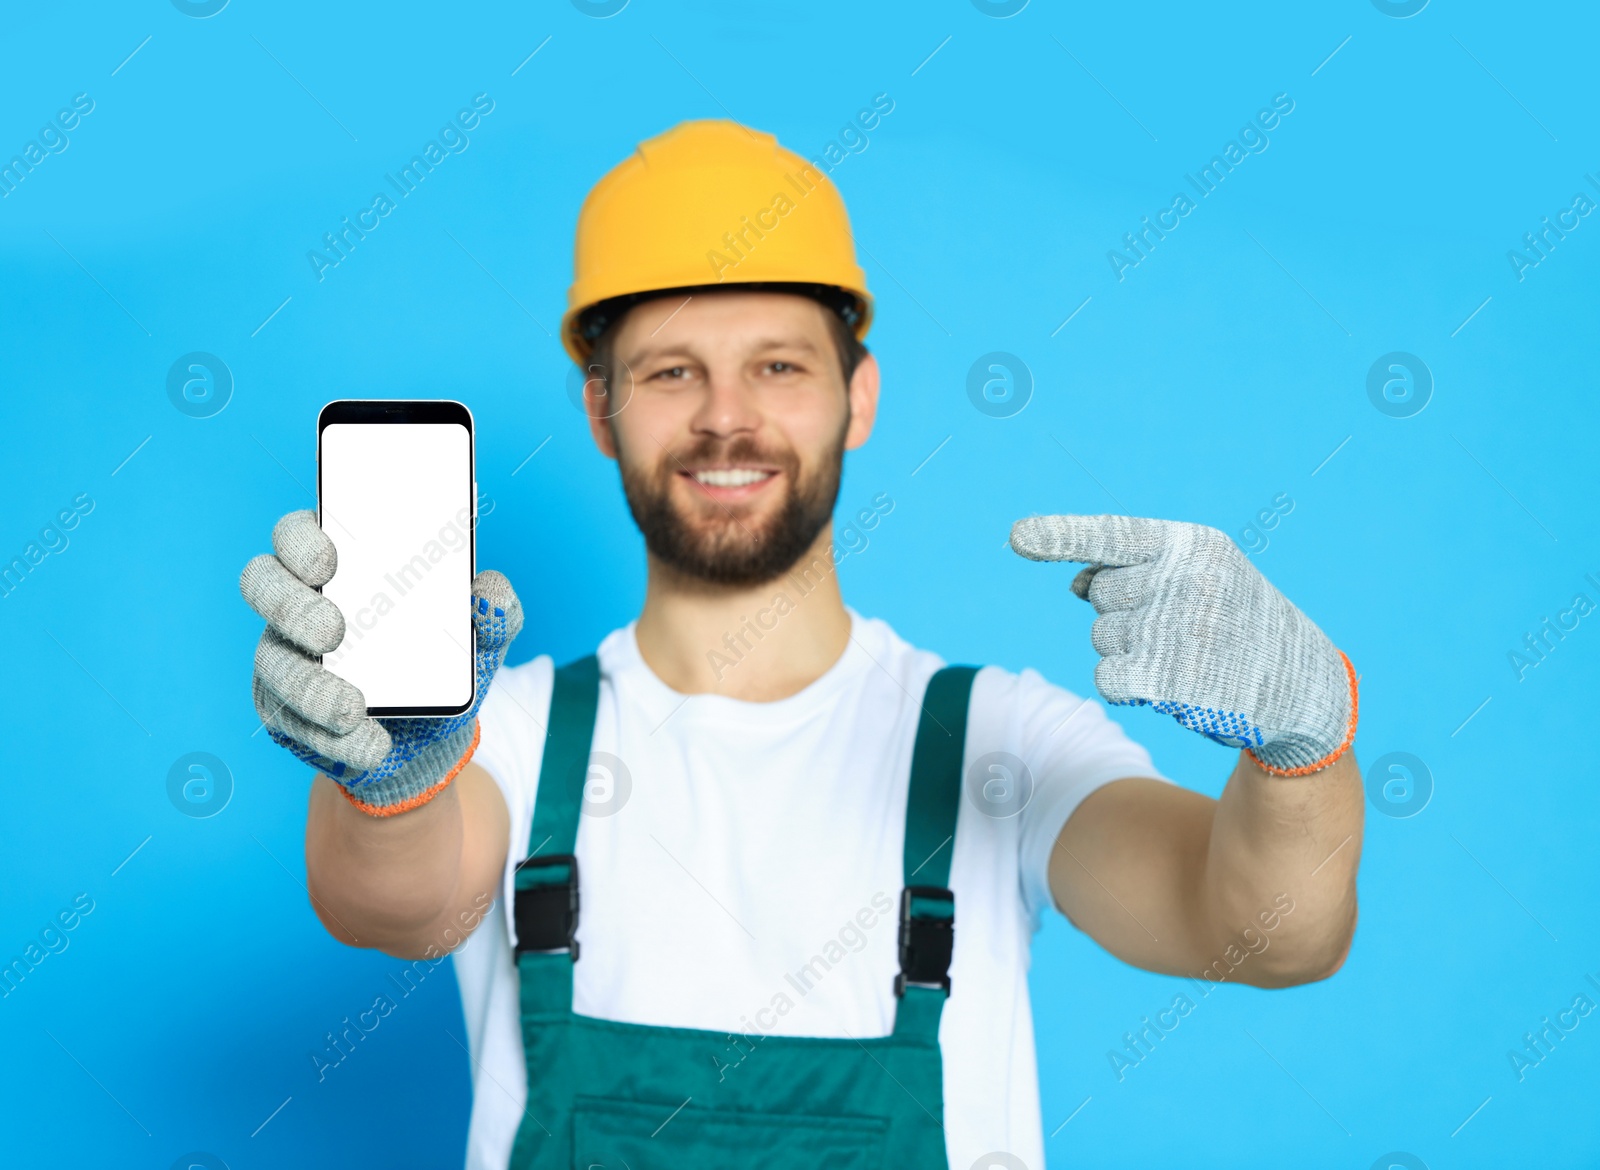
<point>752,840</point>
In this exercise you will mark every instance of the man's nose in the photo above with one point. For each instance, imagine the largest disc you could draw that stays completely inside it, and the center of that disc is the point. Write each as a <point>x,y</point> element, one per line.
<point>729,405</point>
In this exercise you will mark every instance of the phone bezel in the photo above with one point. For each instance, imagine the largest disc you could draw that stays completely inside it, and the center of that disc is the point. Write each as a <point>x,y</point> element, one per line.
<point>400,412</point>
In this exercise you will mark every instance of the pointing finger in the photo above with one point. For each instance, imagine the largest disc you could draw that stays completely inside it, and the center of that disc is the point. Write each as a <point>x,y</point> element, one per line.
<point>1094,540</point>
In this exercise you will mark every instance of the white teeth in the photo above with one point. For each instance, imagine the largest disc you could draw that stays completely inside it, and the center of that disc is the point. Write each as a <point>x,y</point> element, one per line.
<point>730,477</point>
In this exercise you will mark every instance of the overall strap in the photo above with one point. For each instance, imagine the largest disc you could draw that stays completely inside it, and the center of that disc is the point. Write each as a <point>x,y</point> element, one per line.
<point>569,736</point>
<point>546,906</point>
<point>927,907</point>
<point>936,776</point>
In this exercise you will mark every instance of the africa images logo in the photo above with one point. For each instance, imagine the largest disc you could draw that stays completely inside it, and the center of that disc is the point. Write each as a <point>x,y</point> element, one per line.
<point>1399,785</point>
<point>1400,384</point>
<point>200,384</point>
<point>199,785</point>
<point>1000,384</point>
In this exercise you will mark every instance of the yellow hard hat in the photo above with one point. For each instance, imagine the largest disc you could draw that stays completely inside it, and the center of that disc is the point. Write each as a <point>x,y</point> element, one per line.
<point>710,204</point>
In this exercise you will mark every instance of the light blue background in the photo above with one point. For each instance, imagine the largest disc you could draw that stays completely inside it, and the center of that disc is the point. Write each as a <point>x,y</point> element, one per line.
<point>1222,370</point>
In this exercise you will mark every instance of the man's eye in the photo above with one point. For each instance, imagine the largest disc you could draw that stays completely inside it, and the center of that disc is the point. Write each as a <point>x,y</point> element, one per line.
<point>781,367</point>
<point>675,372</point>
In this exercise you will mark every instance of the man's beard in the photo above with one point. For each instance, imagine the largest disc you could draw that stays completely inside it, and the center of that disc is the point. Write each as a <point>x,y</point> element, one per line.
<point>734,551</point>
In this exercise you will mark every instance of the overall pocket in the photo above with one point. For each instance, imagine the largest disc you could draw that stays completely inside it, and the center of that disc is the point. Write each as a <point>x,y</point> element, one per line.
<point>611,1135</point>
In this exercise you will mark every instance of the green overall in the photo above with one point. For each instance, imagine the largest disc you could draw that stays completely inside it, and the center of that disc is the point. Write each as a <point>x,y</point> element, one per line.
<point>603,1094</point>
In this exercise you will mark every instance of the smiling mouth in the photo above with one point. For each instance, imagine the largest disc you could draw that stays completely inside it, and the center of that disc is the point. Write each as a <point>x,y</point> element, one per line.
<point>730,477</point>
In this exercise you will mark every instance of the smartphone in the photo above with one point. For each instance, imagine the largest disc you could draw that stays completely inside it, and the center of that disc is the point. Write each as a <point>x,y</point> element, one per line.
<point>397,496</point>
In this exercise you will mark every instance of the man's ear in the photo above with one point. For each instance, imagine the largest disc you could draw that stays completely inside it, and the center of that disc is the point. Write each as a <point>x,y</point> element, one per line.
<point>597,404</point>
<point>863,392</point>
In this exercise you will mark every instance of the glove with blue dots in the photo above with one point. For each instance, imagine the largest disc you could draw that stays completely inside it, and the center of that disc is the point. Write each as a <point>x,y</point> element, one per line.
<point>1188,626</point>
<point>384,765</point>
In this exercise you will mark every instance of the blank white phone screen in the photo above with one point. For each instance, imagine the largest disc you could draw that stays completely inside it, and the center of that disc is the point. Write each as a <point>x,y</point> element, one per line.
<point>397,503</point>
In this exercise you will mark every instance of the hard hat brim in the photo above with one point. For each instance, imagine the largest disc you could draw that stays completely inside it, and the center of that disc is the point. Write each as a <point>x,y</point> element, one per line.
<point>583,327</point>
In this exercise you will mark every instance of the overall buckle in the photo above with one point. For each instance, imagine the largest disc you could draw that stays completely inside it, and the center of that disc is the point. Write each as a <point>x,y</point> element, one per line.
<point>927,935</point>
<point>546,906</point>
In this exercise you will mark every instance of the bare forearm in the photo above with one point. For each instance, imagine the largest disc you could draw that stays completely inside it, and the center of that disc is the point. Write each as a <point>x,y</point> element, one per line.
<point>1278,891</point>
<point>410,883</point>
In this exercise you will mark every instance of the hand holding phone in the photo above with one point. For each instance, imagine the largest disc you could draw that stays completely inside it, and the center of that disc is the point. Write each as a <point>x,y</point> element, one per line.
<point>384,765</point>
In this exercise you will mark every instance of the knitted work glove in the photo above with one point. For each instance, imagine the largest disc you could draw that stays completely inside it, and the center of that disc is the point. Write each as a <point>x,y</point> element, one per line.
<point>1189,626</point>
<point>383,766</point>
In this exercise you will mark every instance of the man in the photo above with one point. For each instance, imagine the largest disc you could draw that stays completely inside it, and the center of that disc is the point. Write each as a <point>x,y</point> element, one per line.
<point>793,927</point>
